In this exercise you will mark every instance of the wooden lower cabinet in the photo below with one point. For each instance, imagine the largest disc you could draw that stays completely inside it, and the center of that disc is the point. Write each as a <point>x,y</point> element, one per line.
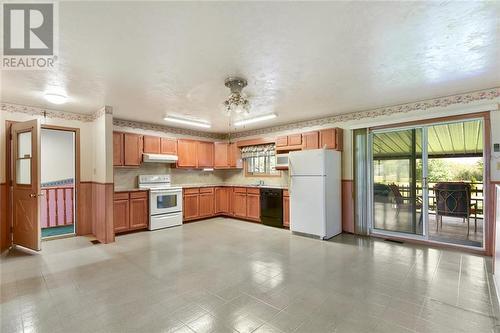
<point>191,205</point>
<point>240,204</point>
<point>121,215</point>
<point>222,200</point>
<point>286,209</point>
<point>130,211</point>
<point>253,207</point>
<point>207,202</point>
<point>139,217</point>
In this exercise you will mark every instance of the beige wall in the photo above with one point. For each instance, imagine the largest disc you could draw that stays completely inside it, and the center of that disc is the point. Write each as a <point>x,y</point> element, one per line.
<point>236,177</point>
<point>103,148</point>
<point>495,138</point>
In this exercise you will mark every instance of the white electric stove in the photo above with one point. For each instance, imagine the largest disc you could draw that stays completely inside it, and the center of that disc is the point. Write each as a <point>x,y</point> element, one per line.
<point>165,201</point>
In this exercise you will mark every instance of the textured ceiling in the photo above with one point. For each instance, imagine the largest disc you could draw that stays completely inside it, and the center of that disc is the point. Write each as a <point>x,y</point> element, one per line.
<point>302,60</point>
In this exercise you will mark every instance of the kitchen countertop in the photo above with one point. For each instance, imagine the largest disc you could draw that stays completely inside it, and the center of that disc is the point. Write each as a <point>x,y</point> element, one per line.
<point>135,189</point>
<point>129,189</point>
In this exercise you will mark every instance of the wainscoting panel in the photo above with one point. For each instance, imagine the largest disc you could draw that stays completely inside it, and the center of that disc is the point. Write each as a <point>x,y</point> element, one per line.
<point>103,212</point>
<point>5,239</point>
<point>84,220</point>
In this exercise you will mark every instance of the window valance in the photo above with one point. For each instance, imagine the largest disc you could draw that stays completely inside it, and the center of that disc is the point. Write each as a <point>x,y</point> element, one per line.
<point>258,151</point>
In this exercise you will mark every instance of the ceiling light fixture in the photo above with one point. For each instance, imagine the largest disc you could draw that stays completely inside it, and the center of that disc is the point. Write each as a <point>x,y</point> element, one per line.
<point>55,98</point>
<point>255,120</point>
<point>236,102</point>
<point>187,122</point>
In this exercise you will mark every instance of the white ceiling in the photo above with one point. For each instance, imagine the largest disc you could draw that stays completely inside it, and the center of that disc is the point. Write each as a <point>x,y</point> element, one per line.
<point>302,60</point>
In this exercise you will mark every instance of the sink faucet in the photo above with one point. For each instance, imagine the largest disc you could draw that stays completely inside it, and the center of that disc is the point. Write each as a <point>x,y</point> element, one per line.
<point>261,182</point>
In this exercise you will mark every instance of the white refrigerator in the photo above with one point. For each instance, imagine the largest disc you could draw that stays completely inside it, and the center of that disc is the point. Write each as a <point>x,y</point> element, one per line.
<point>315,192</point>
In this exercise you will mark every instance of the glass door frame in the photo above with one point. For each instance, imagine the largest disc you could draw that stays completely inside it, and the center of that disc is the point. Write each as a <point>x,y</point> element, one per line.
<point>424,125</point>
<point>425,192</point>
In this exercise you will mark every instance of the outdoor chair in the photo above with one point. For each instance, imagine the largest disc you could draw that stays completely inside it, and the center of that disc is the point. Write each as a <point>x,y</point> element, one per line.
<point>453,199</point>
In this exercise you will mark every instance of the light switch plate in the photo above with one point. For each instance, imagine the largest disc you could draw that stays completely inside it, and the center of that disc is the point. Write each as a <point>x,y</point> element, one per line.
<point>498,166</point>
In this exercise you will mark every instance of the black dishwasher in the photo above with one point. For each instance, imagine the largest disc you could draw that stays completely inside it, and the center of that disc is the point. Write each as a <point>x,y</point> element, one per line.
<point>271,207</point>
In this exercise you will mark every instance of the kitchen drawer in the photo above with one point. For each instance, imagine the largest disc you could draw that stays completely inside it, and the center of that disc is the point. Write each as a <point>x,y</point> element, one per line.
<point>240,190</point>
<point>138,195</point>
<point>251,190</point>
<point>121,196</point>
<point>206,190</point>
<point>285,193</point>
<point>195,190</point>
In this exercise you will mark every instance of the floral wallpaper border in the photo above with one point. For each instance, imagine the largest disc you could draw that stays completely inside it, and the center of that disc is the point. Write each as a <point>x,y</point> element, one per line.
<point>48,113</point>
<point>486,94</point>
<point>167,129</point>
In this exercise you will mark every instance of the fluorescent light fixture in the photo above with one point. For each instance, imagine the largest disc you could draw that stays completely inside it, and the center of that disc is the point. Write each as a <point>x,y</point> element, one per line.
<point>187,122</point>
<point>55,98</point>
<point>254,120</point>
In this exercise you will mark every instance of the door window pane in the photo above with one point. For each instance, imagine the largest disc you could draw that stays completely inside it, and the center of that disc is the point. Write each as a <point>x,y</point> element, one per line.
<point>23,160</point>
<point>397,181</point>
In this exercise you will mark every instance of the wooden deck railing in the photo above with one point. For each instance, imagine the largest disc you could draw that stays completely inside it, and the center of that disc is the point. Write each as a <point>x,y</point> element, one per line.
<point>477,196</point>
<point>57,206</point>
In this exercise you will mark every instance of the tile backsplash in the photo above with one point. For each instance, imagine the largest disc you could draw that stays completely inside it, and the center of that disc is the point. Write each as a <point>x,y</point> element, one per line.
<point>127,177</point>
<point>238,177</point>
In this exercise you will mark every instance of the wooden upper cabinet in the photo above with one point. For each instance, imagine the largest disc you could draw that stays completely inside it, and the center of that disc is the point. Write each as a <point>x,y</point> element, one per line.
<point>239,204</point>
<point>295,139</point>
<point>292,140</point>
<point>186,151</point>
<point>132,144</point>
<point>205,154</point>
<point>118,149</point>
<point>282,141</point>
<point>168,146</point>
<point>151,144</point>
<point>234,157</point>
<point>158,145</point>
<point>221,159</point>
<point>227,155</point>
<point>331,138</point>
<point>310,140</point>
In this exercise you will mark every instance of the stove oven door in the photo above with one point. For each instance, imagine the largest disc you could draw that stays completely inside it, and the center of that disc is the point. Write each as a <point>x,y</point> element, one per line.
<point>165,201</point>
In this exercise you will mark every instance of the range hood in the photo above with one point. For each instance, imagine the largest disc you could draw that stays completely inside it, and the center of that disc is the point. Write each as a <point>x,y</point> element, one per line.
<point>159,158</point>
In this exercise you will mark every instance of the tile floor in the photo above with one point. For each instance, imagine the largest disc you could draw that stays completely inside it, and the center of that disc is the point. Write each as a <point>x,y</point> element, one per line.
<point>223,275</point>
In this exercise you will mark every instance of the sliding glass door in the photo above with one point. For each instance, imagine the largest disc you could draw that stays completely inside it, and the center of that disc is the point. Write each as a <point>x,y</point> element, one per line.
<point>427,182</point>
<point>397,175</point>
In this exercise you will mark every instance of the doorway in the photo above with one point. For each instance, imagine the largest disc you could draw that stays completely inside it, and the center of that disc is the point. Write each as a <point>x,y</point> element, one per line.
<point>427,182</point>
<point>26,198</point>
<point>58,171</point>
